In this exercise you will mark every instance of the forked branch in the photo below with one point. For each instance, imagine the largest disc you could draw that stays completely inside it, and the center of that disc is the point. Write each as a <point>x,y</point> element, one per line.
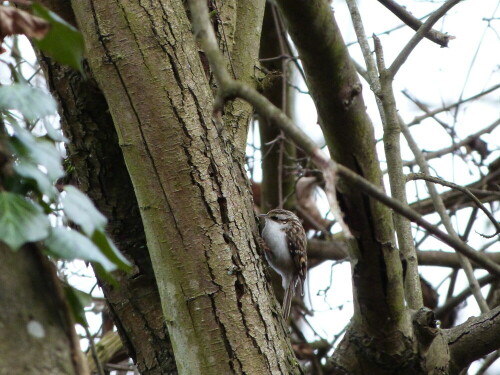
<point>229,88</point>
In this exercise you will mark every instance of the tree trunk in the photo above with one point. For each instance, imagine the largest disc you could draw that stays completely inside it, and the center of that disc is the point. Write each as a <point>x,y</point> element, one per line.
<point>217,306</point>
<point>38,334</point>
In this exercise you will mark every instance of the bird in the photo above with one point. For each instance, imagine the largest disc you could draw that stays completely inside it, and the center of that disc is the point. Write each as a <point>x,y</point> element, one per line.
<point>285,247</point>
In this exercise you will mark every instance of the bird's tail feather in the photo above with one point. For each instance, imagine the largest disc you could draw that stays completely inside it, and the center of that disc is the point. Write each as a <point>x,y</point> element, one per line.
<point>287,300</point>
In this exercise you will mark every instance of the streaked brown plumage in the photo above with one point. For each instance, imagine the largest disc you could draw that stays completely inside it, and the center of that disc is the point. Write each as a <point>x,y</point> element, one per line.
<point>285,246</point>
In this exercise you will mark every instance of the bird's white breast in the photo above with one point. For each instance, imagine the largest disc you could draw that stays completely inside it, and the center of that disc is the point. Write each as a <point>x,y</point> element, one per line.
<point>275,238</point>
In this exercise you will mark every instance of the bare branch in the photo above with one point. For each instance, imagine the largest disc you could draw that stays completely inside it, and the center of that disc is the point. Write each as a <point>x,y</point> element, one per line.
<point>420,34</point>
<point>489,360</point>
<point>419,119</point>
<point>456,146</point>
<point>453,302</point>
<point>423,176</point>
<point>473,339</point>
<point>230,89</point>
<point>336,250</point>
<point>413,22</point>
<point>374,192</point>
<point>365,47</point>
<point>456,200</point>
<point>445,218</point>
<point>392,148</point>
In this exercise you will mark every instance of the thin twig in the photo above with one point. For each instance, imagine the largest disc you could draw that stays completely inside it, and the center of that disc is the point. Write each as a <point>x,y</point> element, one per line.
<point>459,298</point>
<point>437,180</point>
<point>419,35</point>
<point>413,22</point>
<point>365,47</point>
<point>419,119</point>
<point>228,88</point>
<point>456,146</point>
<point>93,350</point>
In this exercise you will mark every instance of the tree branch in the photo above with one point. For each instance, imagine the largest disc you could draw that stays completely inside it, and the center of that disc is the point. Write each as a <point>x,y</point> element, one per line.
<point>413,22</point>
<point>455,146</point>
<point>464,190</point>
<point>454,199</point>
<point>228,88</point>
<point>420,118</point>
<point>336,250</point>
<point>392,148</point>
<point>374,192</point>
<point>473,339</point>
<point>420,34</point>
<point>445,218</point>
<point>454,301</point>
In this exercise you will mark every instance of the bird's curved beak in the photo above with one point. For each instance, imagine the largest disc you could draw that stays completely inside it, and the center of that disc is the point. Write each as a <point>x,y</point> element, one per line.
<point>262,215</point>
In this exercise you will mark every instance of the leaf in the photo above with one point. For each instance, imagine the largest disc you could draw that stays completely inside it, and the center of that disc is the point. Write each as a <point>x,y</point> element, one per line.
<point>69,244</point>
<point>30,171</point>
<point>63,42</point>
<point>17,21</point>
<point>21,221</point>
<point>40,151</point>
<point>54,134</point>
<point>80,209</point>
<point>77,301</point>
<point>32,102</point>
<point>110,250</point>
<point>107,277</point>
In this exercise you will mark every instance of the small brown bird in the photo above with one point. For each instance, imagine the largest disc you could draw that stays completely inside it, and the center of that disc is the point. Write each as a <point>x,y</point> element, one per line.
<point>285,246</point>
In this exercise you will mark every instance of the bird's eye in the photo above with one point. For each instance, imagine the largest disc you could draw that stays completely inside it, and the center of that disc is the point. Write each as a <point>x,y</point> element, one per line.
<point>274,217</point>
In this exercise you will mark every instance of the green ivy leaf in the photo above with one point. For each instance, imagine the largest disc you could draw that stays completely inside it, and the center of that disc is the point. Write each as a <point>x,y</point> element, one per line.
<point>80,209</point>
<point>38,150</point>
<point>30,171</point>
<point>107,277</point>
<point>21,220</point>
<point>77,301</point>
<point>109,249</point>
<point>63,42</point>
<point>32,102</point>
<point>69,244</point>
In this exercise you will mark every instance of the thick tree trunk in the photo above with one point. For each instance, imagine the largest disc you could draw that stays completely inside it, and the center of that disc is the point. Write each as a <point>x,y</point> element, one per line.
<point>98,168</point>
<point>191,187</point>
<point>37,332</point>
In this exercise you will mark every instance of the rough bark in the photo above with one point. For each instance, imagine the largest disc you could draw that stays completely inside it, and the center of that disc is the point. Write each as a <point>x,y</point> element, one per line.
<point>473,339</point>
<point>38,334</point>
<point>191,187</point>
<point>99,170</point>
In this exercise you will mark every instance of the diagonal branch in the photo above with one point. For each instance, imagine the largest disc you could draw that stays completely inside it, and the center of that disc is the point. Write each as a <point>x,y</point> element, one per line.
<point>445,108</point>
<point>485,189</point>
<point>413,22</point>
<point>455,146</point>
<point>445,218</point>
<point>229,88</point>
<point>423,176</point>
<point>454,301</point>
<point>420,34</point>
